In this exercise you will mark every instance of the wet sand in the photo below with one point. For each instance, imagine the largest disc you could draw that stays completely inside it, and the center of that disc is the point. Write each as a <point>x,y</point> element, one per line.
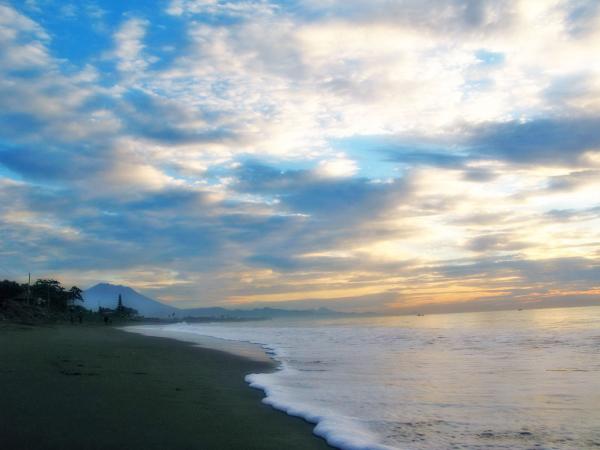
<point>96,387</point>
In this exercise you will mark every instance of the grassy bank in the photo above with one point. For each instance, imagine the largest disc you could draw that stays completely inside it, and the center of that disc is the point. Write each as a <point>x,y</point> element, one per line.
<point>95,387</point>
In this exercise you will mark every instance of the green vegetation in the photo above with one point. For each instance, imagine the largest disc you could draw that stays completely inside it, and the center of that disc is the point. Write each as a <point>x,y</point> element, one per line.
<point>57,298</point>
<point>43,292</point>
<point>47,300</point>
<point>43,301</point>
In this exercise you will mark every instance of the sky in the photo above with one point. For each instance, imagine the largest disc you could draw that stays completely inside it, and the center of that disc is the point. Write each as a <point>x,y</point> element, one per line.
<point>409,155</point>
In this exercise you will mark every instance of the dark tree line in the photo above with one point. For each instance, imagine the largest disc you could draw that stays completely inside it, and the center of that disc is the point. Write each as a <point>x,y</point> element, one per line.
<point>10,290</point>
<point>49,293</point>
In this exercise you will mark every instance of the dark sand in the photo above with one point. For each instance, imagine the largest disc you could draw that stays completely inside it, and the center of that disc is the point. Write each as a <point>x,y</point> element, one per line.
<point>95,387</point>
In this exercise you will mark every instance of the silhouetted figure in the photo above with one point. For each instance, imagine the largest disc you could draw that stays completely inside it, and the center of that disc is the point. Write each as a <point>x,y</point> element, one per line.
<point>105,320</point>
<point>80,317</point>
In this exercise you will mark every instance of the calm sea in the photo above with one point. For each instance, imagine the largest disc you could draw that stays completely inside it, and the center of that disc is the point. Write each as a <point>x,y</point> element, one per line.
<point>494,380</point>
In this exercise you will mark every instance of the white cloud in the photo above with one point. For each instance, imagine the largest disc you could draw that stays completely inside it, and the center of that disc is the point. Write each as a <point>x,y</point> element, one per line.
<point>129,45</point>
<point>339,167</point>
<point>230,8</point>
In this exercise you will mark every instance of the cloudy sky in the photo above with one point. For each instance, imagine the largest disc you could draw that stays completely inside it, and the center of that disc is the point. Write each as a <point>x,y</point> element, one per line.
<point>360,155</point>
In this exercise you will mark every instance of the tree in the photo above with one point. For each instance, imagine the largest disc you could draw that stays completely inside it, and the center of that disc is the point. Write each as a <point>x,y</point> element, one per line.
<point>52,292</point>
<point>9,289</point>
<point>74,295</point>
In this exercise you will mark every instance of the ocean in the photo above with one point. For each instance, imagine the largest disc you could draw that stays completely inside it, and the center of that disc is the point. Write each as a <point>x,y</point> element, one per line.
<point>491,380</point>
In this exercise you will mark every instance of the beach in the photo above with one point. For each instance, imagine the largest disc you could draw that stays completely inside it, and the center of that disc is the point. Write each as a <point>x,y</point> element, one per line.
<point>97,387</point>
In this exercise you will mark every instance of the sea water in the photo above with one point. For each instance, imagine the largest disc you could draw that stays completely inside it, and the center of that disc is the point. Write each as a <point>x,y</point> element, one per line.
<point>493,380</point>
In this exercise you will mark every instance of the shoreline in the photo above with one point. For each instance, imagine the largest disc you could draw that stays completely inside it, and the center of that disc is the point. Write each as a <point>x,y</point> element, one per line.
<point>95,387</point>
<point>242,349</point>
<point>322,426</point>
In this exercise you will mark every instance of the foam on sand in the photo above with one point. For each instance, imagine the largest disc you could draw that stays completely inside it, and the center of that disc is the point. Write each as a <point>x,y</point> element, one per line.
<point>338,431</point>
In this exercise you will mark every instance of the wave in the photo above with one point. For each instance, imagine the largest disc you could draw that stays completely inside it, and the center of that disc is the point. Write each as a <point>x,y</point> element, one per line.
<point>338,431</point>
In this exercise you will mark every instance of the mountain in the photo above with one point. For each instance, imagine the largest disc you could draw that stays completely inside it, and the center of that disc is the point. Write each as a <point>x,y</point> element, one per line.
<point>260,313</point>
<point>106,295</point>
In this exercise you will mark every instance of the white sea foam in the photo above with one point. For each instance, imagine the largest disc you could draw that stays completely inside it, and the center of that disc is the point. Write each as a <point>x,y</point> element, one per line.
<point>510,380</point>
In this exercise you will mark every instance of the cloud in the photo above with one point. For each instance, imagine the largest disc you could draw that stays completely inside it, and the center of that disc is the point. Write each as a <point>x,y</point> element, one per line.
<point>547,141</point>
<point>338,167</point>
<point>129,45</point>
<point>22,41</point>
<point>479,174</point>
<point>306,192</point>
<point>216,7</point>
<point>415,157</point>
<point>434,16</point>
<point>160,120</point>
<point>495,242</point>
<point>216,150</point>
<point>552,272</point>
<point>574,180</point>
<point>582,16</point>
<point>575,214</point>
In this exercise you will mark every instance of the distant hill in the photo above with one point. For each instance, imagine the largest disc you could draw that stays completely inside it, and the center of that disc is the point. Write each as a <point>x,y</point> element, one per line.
<point>260,313</point>
<point>106,295</point>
